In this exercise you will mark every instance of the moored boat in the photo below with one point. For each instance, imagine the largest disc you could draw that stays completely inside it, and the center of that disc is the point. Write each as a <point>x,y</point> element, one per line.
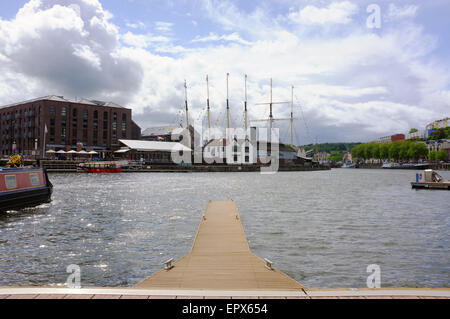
<point>348,164</point>
<point>99,167</point>
<point>405,166</point>
<point>22,187</point>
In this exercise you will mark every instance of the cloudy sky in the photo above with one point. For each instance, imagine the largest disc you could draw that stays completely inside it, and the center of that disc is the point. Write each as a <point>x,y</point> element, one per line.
<point>352,82</point>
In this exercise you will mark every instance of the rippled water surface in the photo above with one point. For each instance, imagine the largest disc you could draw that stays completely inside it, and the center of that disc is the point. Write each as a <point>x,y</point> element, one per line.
<point>322,228</point>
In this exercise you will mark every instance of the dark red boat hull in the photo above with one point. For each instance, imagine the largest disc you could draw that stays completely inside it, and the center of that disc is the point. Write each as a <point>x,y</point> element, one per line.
<point>100,170</point>
<point>32,188</point>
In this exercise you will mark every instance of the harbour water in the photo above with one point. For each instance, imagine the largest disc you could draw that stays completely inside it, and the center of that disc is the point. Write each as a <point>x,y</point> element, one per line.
<point>322,228</point>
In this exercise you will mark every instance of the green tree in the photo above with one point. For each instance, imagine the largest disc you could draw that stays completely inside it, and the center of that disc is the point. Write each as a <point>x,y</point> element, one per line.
<point>371,150</point>
<point>417,150</point>
<point>432,155</point>
<point>367,151</point>
<point>442,155</point>
<point>413,130</point>
<point>394,151</point>
<point>384,151</point>
<point>422,150</point>
<point>335,158</point>
<point>361,151</point>
<point>440,133</point>
<point>404,148</point>
<point>358,151</point>
<point>374,150</point>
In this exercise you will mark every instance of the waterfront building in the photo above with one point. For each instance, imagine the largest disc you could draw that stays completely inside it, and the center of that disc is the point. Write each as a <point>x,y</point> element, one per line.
<point>347,157</point>
<point>172,134</point>
<point>416,135</point>
<point>437,145</point>
<point>239,151</point>
<point>53,122</point>
<point>247,152</point>
<point>321,157</point>
<point>390,139</point>
<point>302,155</point>
<point>214,151</point>
<point>397,138</point>
<point>430,128</point>
<point>380,140</point>
<point>158,133</point>
<point>149,152</point>
<point>288,154</point>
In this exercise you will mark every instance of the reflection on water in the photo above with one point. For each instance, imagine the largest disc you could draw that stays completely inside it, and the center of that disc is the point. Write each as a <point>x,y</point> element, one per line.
<point>322,228</point>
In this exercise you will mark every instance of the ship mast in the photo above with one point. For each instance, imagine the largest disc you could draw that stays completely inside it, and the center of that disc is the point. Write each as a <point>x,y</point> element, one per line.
<point>292,116</point>
<point>228,108</point>
<point>187,114</point>
<point>186,104</point>
<point>208,108</point>
<point>245,105</point>
<point>271,114</point>
<point>271,119</point>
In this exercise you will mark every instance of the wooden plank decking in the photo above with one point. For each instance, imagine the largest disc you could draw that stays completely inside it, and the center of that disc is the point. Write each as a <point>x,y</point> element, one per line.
<point>220,259</point>
<point>334,295</point>
<point>431,185</point>
<point>133,293</point>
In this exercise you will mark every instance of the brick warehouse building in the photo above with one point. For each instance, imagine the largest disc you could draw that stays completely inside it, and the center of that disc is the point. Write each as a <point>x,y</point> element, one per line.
<point>98,125</point>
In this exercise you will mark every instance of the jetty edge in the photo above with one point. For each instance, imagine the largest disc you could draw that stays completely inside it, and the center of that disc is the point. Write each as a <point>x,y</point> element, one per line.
<point>220,265</point>
<point>432,180</point>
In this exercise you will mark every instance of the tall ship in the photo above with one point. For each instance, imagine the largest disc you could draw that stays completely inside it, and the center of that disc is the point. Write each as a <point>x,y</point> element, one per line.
<point>22,187</point>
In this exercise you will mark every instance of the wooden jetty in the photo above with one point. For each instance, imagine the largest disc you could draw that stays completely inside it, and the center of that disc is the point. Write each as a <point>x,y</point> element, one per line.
<point>432,180</point>
<point>221,259</point>
<point>220,265</point>
<point>431,185</point>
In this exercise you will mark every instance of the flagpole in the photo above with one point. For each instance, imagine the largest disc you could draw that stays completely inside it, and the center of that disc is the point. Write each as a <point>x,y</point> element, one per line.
<point>43,146</point>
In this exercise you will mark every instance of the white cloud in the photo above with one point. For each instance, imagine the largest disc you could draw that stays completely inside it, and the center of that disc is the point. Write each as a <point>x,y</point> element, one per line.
<point>336,91</point>
<point>163,26</point>
<point>64,50</point>
<point>137,25</point>
<point>174,49</point>
<point>397,12</point>
<point>142,40</point>
<point>30,22</point>
<point>334,13</point>
<point>352,87</point>
<point>232,37</point>
<point>136,40</point>
<point>85,52</point>
<point>225,13</point>
<point>373,82</point>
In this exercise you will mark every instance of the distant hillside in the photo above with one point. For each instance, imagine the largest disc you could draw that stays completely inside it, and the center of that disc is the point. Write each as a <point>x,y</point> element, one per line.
<point>337,150</point>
